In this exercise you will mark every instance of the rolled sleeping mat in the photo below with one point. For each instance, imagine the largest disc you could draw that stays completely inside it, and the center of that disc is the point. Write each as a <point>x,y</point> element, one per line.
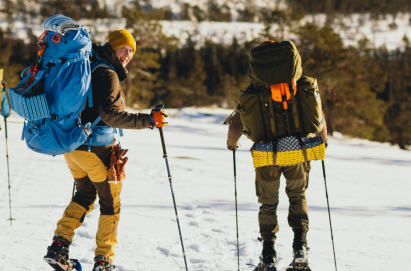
<point>288,151</point>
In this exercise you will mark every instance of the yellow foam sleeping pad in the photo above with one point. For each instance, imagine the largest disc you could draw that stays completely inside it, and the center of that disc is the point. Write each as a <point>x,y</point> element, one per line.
<point>289,151</point>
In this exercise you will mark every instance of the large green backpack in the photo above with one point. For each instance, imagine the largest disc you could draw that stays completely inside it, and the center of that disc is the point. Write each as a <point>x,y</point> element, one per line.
<point>263,119</point>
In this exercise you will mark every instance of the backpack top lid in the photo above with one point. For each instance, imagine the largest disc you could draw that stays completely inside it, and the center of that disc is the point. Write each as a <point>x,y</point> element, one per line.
<point>274,63</point>
<point>65,38</point>
<point>60,24</point>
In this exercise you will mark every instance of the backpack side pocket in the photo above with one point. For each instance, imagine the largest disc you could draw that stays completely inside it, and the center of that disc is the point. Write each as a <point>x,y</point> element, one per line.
<point>251,116</point>
<point>309,99</point>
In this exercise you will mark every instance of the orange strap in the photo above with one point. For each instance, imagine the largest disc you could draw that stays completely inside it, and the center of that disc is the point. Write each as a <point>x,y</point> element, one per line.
<point>56,40</point>
<point>281,93</point>
<point>266,42</point>
<point>43,35</point>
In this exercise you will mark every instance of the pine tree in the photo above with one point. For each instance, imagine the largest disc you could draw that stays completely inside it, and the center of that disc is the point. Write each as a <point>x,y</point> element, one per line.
<point>144,69</point>
<point>397,118</point>
<point>345,80</point>
<point>15,56</point>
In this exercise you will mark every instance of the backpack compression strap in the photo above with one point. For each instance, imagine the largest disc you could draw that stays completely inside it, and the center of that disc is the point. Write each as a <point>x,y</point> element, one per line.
<point>66,63</point>
<point>294,104</point>
<point>272,118</point>
<point>270,104</point>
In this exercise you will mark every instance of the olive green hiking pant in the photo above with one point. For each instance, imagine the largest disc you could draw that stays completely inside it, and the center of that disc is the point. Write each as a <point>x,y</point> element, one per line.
<point>267,184</point>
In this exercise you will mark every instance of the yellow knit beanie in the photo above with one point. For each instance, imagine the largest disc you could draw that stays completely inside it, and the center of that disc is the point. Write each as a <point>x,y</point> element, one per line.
<point>121,37</point>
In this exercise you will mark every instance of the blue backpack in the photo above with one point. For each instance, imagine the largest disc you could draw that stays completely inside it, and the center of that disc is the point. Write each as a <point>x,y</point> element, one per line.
<point>53,93</point>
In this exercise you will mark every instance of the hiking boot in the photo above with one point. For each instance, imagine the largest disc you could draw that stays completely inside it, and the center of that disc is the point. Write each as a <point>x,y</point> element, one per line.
<point>300,251</point>
<point>268,259</point>
<point>300,261</point>
<point>58,254</point>
<point>101,263</point>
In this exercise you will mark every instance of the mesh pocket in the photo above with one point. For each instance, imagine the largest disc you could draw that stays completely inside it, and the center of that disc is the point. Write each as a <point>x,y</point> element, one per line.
<point>31,106</point>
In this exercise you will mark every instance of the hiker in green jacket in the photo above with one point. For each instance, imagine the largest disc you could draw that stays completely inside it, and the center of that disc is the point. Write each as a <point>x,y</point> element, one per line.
<point>265,118</point>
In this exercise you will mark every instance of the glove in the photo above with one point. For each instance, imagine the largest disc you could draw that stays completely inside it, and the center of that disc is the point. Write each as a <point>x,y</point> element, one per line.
<point>117,163</point>
<point>156,119</point>
<point>232,143</point>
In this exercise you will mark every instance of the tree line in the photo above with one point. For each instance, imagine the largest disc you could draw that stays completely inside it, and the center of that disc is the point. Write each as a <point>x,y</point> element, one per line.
<point>366,91</point>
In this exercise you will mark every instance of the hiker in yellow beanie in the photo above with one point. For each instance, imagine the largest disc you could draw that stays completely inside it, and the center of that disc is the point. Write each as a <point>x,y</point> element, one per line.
<point>123,44</point>
<point>98,166</point>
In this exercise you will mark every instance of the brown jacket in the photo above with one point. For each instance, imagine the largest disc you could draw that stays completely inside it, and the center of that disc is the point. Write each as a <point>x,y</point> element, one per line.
<point>108,98</point>
<point>235,131</point>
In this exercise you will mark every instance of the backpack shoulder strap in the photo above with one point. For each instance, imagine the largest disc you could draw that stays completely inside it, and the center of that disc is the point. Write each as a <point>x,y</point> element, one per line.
<point>99,65</point>
<point>94,66</point>
<point>95,122</point>
<point>230,116</point>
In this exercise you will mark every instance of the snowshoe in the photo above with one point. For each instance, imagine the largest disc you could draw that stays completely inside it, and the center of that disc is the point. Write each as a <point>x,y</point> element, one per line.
<point>102,264</point>
<point>291,268</point>
<point>300,261</point>
<point>58,255</point>
<point>267,263</point>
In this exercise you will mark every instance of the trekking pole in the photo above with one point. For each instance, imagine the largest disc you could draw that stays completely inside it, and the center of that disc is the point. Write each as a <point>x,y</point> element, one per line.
<point>158,108</point>
<point>236,214</point>
<point>8,169</point>
<point>5,115</point>
<point>329,215</point>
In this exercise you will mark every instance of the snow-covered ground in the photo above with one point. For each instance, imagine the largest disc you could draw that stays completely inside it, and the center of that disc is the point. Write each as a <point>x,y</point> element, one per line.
<point>368,186</point>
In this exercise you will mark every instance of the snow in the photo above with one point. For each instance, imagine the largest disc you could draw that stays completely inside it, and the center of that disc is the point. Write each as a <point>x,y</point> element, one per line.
<point>351,28</point>
<point>368,187</point>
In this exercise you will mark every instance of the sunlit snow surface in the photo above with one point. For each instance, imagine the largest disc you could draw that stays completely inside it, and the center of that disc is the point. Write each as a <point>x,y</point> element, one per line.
<point>368,187</point>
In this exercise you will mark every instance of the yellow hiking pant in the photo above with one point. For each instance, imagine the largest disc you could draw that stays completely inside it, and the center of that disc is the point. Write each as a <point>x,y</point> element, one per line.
<point>91,176</point>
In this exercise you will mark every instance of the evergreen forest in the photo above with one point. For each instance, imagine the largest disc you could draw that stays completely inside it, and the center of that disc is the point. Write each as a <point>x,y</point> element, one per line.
<point>365,91</point>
